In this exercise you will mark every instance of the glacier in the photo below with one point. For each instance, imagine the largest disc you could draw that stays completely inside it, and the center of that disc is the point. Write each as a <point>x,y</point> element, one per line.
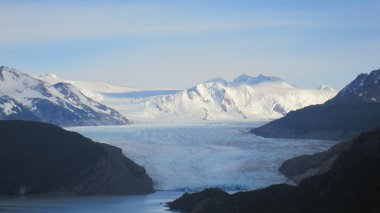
<point>197,155</point>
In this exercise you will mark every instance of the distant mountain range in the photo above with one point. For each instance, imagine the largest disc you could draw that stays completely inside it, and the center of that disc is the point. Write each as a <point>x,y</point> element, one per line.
<point>356,108</point>
<point>72,103</point>
<point>23,97</point>
<point>246,97</point>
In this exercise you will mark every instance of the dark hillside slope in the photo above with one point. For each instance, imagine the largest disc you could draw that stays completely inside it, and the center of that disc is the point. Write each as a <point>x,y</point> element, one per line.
<point>324,122</point>
<point>38,158</point>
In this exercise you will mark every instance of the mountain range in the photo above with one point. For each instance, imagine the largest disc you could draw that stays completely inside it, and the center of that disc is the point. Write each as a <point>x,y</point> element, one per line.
<point>73,103</point>
<point>23,97</point>
<point>244,98</point>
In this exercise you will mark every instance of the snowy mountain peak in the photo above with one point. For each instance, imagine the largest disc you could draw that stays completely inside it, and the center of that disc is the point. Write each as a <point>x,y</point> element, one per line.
<point>217,80</point>
<point>249,80</point>
<point>365,88</point>
<point>50,78</point>
<point>7,72</point>
<point>325,88</point>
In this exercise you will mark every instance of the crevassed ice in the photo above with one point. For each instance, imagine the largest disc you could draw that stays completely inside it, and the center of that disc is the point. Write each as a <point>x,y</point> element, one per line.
<point>200,155</point>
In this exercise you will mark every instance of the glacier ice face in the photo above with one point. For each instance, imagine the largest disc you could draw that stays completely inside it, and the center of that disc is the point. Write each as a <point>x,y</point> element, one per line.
<point>194,156</point>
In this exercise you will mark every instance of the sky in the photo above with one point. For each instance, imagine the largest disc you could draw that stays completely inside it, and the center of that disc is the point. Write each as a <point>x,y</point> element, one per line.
<point>177,44</point>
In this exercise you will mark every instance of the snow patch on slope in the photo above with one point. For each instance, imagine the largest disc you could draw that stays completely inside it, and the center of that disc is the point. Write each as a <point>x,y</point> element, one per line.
<point>8,108</point>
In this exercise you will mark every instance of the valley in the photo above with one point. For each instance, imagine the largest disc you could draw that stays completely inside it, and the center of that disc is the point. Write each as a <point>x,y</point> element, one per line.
<point>194,156</point>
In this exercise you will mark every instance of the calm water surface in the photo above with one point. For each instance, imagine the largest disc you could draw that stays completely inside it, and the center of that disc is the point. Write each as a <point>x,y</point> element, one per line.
<point>96,204</point>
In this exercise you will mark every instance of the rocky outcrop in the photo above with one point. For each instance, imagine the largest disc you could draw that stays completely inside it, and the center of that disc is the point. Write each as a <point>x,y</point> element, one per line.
<point>187,201</point>
<point>351,185</point>
<point>43,159</point>
<point>355,109</point>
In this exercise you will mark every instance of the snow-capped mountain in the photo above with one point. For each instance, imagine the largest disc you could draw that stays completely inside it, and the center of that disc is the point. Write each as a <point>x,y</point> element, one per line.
<point>246,97</point>
<point>365,88</point>
<point>26,98</point>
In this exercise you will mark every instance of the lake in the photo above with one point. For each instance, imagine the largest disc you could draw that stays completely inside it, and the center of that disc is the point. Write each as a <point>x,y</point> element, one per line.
<point>92,204</point>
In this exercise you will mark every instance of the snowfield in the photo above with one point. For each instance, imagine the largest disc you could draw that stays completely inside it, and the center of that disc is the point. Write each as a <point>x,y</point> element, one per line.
<point>193,156</point>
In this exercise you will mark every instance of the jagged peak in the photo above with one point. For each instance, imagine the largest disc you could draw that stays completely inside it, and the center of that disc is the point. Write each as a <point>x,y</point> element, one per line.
<point>365,88</point>
<point>9,69</point>
<point>13,72</point>
<point>217,80</point>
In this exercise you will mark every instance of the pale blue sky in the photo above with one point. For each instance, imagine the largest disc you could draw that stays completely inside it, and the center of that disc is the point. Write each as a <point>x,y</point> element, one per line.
<point>176,44</point>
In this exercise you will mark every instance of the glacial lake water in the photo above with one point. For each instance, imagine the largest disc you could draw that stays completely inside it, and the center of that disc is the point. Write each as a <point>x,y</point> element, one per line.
<point>181,157</point>
<point>151,203</point>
